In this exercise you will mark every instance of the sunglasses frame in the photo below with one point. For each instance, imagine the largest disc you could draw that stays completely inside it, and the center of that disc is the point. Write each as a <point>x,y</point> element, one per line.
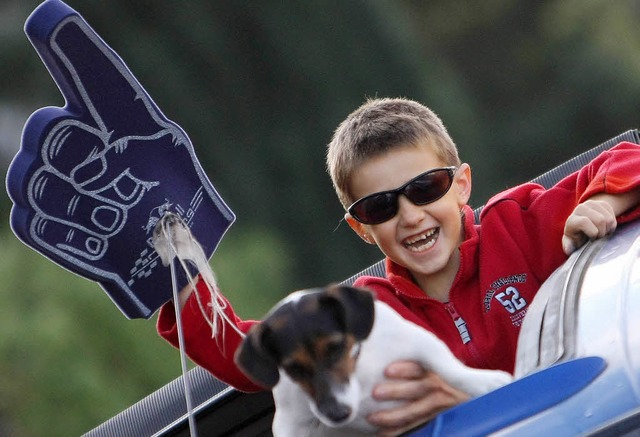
<point>451,171</point>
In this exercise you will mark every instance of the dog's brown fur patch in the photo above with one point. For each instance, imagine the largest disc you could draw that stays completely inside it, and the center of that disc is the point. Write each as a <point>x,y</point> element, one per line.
<point>305,363</point>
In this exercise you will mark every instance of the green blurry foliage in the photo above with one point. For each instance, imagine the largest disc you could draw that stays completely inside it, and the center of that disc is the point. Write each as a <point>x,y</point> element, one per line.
<point>70,359</point>
<point>253,269</point>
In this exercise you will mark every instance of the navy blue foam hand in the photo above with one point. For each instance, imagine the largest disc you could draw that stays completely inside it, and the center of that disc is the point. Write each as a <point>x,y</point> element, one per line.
<point>92,179</point>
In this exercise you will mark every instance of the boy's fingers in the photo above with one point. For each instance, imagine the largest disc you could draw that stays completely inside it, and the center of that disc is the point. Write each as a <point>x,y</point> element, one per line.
<point>406,380</point>
<point>604,219</point>
<point>404,369</point>
<point>569,245</point>
<point>398,421</point>
<point>590,220</point>
<point>425,397</point>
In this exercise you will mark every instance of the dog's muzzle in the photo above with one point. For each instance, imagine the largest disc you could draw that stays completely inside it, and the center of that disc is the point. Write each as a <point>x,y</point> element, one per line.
<point>336,412</point>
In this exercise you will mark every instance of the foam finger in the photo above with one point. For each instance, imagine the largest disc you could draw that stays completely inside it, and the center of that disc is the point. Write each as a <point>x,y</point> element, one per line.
<point>91,73</point>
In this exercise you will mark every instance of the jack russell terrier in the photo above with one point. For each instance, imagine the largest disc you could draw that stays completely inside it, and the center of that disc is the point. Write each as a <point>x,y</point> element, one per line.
<point>323,350</point>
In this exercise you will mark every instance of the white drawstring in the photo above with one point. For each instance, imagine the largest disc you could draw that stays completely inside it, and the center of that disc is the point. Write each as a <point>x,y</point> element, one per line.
<point>175,244</point>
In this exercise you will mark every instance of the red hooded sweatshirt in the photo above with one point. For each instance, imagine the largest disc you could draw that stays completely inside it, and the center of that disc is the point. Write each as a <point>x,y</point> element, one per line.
<point>503,263</point>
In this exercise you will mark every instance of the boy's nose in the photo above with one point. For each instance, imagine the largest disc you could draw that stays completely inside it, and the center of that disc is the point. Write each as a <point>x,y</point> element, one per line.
<point>408,212</point>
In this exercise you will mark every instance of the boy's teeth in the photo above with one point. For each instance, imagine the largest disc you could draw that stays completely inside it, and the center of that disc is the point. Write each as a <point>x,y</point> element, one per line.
<point>421,242</point>
<point>424,236</point>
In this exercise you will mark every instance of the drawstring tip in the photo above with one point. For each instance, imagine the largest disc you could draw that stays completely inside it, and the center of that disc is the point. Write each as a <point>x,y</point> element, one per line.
<point>169,233</point>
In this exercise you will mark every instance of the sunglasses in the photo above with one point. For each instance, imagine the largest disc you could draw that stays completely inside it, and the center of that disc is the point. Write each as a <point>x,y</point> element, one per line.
<point>425,188</point>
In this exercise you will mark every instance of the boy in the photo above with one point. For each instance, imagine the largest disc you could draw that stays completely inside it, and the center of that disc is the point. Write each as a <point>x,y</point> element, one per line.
<point>397,173</point>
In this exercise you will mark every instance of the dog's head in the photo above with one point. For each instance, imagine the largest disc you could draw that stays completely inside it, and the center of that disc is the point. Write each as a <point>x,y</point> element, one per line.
<point>314,336</point>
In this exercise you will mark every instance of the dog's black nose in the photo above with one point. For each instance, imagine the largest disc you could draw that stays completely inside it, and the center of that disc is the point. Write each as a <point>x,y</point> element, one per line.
<point>337,412</point>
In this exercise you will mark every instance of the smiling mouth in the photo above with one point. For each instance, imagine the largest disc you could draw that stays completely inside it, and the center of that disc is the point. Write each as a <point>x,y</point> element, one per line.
<point>423,241</point>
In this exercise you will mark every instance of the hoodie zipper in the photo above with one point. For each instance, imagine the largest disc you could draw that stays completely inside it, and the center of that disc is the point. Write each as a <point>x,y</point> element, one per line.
<point>465,336</point>
<point>459,322</point>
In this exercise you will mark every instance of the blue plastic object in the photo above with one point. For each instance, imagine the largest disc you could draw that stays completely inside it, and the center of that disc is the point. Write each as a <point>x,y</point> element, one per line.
<point>517,401</point>
<point>92,179</point>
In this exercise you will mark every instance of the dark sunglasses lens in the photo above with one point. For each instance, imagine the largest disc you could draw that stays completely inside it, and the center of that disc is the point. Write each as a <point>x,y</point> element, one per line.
<point>376,209</point>
<point>426,188</point>
<point>429,187</point>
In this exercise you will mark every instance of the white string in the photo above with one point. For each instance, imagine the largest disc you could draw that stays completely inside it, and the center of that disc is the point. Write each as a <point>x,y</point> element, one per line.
<point>183,356</point>
<point>174,242</point>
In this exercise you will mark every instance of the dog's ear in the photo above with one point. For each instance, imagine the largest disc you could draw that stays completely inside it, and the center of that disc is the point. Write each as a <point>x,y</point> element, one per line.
<point>255,360</point>
<point>357,308</point>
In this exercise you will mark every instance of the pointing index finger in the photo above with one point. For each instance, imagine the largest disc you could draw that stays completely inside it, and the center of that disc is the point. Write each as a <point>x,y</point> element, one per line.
<point>97,86</point>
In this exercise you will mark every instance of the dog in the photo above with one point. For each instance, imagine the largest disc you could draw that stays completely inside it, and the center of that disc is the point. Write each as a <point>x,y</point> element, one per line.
<point>322,351</point>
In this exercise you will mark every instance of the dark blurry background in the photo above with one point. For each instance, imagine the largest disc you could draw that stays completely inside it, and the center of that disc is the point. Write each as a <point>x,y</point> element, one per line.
<point>260,87</point>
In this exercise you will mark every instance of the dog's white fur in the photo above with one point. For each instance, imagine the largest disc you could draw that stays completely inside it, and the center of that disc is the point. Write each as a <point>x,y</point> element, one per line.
<point>392,338</point>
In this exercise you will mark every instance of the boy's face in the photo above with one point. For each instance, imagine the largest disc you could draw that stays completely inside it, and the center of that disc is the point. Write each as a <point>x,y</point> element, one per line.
<point>422,238</point>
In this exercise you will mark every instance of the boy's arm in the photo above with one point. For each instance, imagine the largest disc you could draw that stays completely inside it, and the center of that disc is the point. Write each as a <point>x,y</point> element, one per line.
<point>596,217</point>
<point>213,354</point>
<point>586,204</point>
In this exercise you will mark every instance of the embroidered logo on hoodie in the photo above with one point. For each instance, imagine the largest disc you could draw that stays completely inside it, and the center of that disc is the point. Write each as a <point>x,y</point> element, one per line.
<point>505,291</point>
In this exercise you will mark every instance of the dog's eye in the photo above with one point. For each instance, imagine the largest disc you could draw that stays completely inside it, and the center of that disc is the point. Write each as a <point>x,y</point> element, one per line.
<point>297,371</point>
<point>335,350</point>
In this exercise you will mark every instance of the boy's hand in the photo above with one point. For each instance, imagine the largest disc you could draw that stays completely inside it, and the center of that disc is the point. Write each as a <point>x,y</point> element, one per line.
<point>426,394</point>
<point>184,294</point>
<point>590,220</point>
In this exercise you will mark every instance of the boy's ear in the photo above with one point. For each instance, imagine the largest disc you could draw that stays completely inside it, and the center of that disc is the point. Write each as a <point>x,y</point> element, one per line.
<point>359,229</point>
<point>462,184</point>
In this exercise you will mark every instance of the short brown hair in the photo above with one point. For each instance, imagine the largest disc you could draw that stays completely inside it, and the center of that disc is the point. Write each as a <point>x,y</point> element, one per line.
<point>378,126</point>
